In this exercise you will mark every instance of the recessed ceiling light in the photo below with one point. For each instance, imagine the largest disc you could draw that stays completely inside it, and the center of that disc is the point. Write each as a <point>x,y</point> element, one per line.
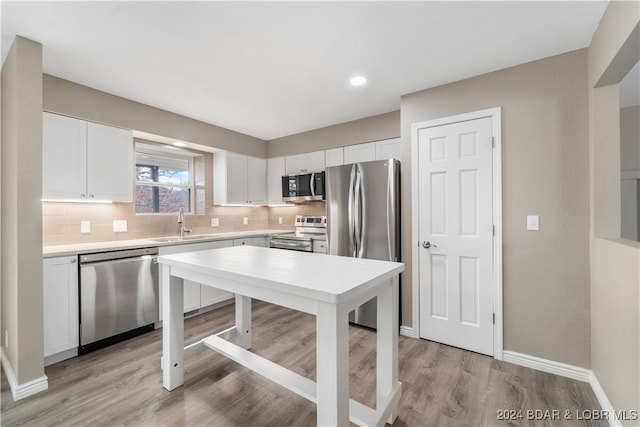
<point>179,144</point>
<point>358,81</point>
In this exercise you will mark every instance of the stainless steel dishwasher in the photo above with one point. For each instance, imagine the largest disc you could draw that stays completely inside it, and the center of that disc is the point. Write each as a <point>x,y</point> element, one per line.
<point>118,296</point>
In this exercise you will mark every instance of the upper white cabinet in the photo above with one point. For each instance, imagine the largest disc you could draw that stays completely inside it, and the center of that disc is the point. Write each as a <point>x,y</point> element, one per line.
<point>334,157</point>
<point>239,179</point>
<point>360,153</point>
<point>389,149</point>
<point>305,163</point>
<point>379,150</point>
<point>275,171</point>
<point>86,161</point>
<point>60,306</point>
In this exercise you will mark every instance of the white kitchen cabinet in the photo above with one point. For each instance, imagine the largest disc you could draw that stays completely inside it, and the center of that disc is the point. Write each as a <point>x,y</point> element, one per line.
<point>388,149</point>
<point>256,181</point>
<point>334,157</point>
<point>360,153</point>
<point>305,163</point>
<point>110,163</point>
<point>251,241</point>
<point>60,308</point>
<point>239,179</point>
<point>275,171</point>
<point>86,161</point>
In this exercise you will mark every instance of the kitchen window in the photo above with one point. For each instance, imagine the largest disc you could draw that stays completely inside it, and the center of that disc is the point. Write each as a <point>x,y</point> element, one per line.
<point>164,180</point>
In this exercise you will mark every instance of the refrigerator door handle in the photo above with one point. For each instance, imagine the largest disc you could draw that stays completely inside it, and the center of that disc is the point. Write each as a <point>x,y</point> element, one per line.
<point>362,217</point>
<point>351,212</point>
<point>391,214</point>
<point>357,210</point>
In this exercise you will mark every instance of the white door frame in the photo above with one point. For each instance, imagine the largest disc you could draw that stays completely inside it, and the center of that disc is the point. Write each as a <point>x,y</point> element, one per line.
<point>496,122</point>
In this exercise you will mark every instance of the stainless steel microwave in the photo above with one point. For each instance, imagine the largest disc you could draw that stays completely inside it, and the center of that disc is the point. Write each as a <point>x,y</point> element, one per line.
<point>303,188</point>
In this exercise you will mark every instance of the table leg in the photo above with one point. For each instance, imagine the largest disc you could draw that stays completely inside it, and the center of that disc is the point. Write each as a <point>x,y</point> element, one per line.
<point>387,346</point>
<point>243,321</point>
<point>332,358</point>
<point>172,328</point>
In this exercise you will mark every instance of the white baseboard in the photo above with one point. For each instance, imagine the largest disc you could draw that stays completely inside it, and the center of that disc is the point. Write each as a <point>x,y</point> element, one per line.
<point>603,400</point>
<point>20,391</point>
<point>549,366</point>
<point>407,331</point>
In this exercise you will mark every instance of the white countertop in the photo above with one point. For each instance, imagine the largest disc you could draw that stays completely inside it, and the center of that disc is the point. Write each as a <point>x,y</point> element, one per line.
<point>310,275</point>
<point>83,248</point>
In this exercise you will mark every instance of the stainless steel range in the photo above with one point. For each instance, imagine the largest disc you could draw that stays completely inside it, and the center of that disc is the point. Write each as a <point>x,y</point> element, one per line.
<point>310,235</point>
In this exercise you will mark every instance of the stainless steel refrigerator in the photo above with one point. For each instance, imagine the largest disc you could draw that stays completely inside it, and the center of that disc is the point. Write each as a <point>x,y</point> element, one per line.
<point>363,217</point>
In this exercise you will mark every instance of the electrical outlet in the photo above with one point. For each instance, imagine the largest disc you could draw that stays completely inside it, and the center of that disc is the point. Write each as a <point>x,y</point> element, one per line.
<point>245,220</point>
<point>280,220</point>
<point>533,222</point>
<point>85,227</point>
<point>120,226</point>
<point>215,222</point>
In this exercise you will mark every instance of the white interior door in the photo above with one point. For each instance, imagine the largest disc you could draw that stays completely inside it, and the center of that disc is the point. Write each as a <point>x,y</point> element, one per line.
<point>456,234</point>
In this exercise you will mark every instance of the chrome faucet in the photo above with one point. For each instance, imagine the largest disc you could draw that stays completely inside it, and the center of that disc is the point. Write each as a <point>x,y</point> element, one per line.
<point>183,229</point>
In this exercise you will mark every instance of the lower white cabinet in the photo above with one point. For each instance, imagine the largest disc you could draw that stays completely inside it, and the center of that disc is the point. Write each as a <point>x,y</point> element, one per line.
<point>60,308</point>
<point>196,295</point>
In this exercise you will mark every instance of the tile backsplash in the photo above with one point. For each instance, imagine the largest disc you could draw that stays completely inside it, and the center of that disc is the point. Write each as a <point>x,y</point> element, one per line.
<point>61,222</point>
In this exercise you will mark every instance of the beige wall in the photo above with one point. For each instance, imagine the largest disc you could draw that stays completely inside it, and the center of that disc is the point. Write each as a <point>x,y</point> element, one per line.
<point>21,210</point>
<point>72,99</point>
<point>630,138</point>
<point>615,264</point>
<point>545,172</point>
<point>375,128</point>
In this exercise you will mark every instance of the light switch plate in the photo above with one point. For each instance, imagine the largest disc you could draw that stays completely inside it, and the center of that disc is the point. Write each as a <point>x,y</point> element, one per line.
<point>215,222</point>
<point>245,220</point>
<point>533,222</point>
<point>280,220</point>
<point>85,227</point>
<point>120,226</point>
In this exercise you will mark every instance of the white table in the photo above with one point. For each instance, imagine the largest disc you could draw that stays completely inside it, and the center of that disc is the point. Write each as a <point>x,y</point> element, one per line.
<point>328,287</point>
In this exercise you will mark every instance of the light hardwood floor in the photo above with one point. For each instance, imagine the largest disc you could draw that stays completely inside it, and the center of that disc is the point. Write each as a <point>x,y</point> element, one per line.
<point>442,385</point>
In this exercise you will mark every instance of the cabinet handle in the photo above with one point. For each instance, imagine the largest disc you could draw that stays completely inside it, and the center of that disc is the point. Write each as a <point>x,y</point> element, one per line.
<point>91,196</point>
<point>72,260</point>
<point>83,195</point>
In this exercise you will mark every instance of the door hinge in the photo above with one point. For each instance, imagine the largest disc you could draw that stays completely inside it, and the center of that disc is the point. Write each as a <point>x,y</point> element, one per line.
<point>493,142</point>
<point>493,229</point>
<point>494,318</point>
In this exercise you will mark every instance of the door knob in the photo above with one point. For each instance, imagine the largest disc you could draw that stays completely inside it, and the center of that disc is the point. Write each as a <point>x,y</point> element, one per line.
<point>427,245</point>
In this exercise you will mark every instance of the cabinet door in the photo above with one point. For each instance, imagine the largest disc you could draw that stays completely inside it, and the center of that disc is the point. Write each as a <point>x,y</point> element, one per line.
<point>256,181</point>
<point>64,157</point>
<point>236,171</point>
<point>294,164</point>
<point>360,153</point>
<point>209,295</point>
<point>275,171</point>
<point>314,161</point>
<point>60,304</point>
<point>334,157</point>
<point>389,149</point>
<point>109,163</point>
<point>191,296</point>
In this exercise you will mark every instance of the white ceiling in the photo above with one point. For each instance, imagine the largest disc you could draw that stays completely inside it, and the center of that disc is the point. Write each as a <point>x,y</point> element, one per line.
<point>271,69</point>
